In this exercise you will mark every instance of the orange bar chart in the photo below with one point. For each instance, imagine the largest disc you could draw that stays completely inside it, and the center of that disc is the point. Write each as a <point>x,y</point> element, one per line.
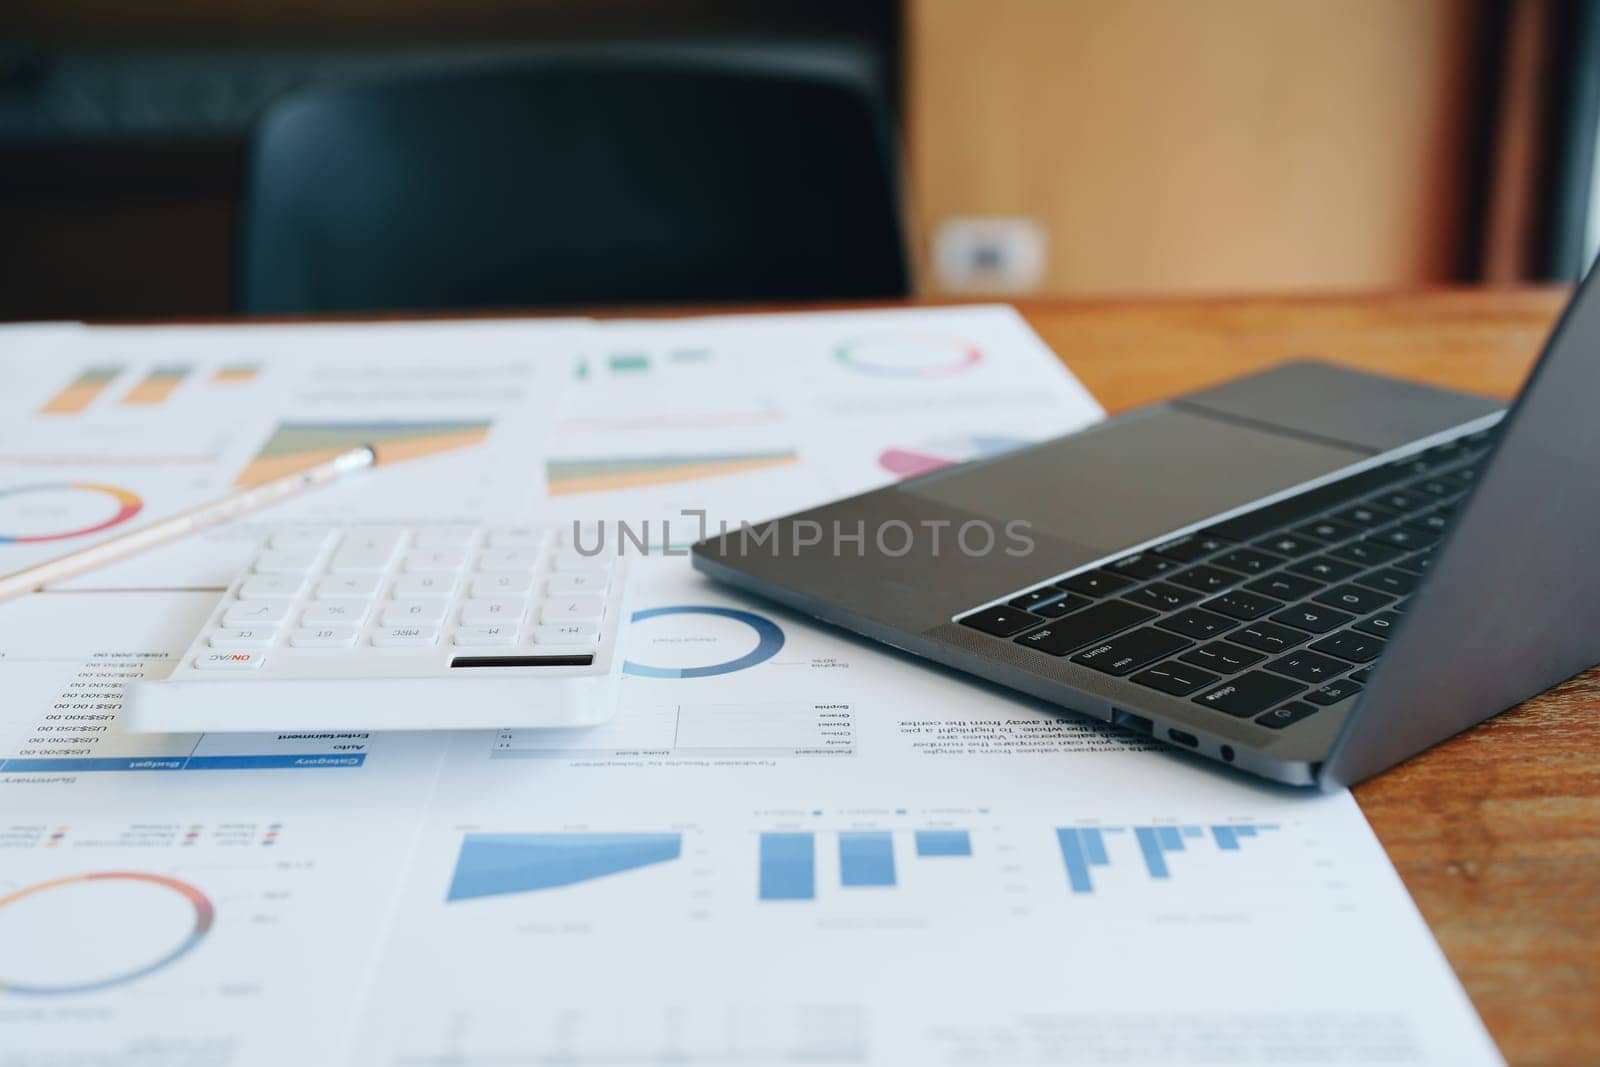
<point>82,390</point>
<point>157,385</point>
<point>235,373</point>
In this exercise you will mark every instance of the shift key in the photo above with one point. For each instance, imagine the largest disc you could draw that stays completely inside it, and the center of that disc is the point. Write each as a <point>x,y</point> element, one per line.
<point>1068,634</point>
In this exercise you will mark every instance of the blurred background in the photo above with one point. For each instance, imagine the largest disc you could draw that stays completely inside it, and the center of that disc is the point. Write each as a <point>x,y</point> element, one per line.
<point>1057,147</point>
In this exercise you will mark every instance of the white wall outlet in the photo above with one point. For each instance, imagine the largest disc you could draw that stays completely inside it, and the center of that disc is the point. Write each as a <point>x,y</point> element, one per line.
<point>989,254</point>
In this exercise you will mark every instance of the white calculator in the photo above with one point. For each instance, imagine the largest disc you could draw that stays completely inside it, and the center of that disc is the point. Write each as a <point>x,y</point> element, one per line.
<point>402,628</point>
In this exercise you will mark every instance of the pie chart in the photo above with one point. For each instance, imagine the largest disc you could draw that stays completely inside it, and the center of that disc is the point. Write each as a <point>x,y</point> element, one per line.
<point>945,452</point>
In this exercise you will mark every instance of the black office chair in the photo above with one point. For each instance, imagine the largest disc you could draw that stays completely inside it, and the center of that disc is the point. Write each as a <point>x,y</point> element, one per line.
<point>578,181</point>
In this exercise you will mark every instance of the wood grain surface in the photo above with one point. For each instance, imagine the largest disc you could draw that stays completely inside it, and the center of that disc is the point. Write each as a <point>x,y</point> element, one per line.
<point>1496,832</point>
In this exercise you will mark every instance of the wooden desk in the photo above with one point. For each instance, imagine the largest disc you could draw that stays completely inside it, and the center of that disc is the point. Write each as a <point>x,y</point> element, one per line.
<point>1497,832</point>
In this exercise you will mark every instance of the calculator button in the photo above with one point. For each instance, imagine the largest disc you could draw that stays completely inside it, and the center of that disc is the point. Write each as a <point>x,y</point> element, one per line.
<point>244,637</point>
<point>482,611</point>
<point>308,538</point>
<point>423,585</point>
<point>405,636</point>
<point>572,609</point>
<point>351,612</point>
<point>402,612</point>
<point>589,582</point>
<point>255,612</point>
<point>230,660</point>
<point>350,560</point>
<point>509,559</point>
<point>444,536</point>
<point>348,587</point>
<point>518,537</point>
<point>567,633</point>
<point>270,587</point>
<point>287,561</point>
<point>505,583</point>
<point>324,637</point>
<point>568,561</point>
<point>486,635</point>
<point>438,559</point>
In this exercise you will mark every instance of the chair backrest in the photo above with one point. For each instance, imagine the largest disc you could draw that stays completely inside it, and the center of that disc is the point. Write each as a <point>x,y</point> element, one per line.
<point>595,180</point>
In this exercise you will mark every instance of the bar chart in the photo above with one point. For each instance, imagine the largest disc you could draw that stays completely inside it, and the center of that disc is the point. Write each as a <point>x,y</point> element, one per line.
<point>1085,848</point>
<point>789,861</point>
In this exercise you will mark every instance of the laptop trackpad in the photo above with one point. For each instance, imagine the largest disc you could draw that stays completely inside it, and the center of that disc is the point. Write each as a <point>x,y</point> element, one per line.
<point>1135,478</point>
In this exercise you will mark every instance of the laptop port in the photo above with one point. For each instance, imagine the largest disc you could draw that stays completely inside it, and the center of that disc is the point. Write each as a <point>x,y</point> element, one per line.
<point>1129,721</point>
<point>1184,738</point>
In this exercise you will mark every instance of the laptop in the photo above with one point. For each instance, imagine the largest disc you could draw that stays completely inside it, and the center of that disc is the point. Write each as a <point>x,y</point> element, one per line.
<point>1309,574</point>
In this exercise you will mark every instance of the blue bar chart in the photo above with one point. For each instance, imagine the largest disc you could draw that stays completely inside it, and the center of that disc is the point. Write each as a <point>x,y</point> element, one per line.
<point>866,858</point>
<point>790,869</point>
<point>788,866</point>
<point>944,843</point>
<point>1084,849</point>
<point>499,864</point>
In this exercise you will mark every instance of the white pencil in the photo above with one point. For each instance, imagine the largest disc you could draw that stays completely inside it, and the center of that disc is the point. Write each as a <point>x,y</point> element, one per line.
<point>182,524</point>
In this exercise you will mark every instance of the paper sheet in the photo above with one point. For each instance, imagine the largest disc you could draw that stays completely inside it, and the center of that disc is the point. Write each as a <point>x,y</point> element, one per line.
<point>791,846</point>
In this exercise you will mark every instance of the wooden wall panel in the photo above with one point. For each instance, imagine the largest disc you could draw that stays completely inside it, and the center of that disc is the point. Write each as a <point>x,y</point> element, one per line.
<point>1203,146</point>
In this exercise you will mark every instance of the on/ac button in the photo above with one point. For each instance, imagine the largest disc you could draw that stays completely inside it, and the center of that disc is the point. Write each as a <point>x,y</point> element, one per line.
<point>228,660</point>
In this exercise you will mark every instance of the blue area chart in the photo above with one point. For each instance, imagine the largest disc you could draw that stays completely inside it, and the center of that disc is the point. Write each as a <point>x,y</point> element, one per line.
<point>492,865</point>
<point>769,641</point>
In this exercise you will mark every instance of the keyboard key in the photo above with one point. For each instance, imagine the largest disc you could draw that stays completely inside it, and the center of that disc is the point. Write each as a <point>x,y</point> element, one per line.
<point>1363,676</point>
<point>1197,624</point>
<point>597,582</point>
<point>1027,601</point>
<point>1287,715</point>
<point>405,636</point>
<point>255,613</point>
<point>229,660</point>
<point>350,612</point>
<point>566,633</point>
<point>1380,625</point>
<point>323,637</point>
<point>503,583</point>
<point>1143,566</point>
<point>406,612</point>
<point>243,637</point>
<point>1366,553</point>
<point>1355,647</point>
<point>1400,501</point>
<point>435,560</point>
<point>1284,586</point>
<point>271,587</point>
<point>1095,583</point>
<point>1205,578</point>
<point>411,586</point>
<point>484,611</point>
<point>566,562</point>
<point>1065,606</point>
<point>1265,520</point>
<point>1323,569</point>
<point>349,587</point>
<point>1290,545</point>
<point>996,621</point>
<point>1248,560</point>
<point>1312,617</point>
<point>1365,515</point>
<point>1406,538</point>
<point>1353,598</point>
<point>1249,694</point>
<point>572,609</point>
<point>483,636</point>
<point>287,561</point>
<point>1241,605</point>
<point>1125,654</point>
<point>1440,487</point>
<point>1067,635</point>
<point>1416,564</point>
<point>1188,549</point>
<point>1175,678</point>
<point>1163,597</point>
<point>1333,692</point>
<point>522,560</point>
<point>1435,521</point>
<point>1268,637</point>
<point>1308,666</point>
<point>1328,530</point>
<point>1390,580</point>
<point>1222,657</point>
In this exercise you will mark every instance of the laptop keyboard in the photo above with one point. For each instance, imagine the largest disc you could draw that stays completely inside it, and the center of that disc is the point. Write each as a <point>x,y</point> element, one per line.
<point>1271,615</point>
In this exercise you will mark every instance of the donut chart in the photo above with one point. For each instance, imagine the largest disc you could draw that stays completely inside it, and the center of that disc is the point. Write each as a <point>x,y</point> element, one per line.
<point>80,506</point>
<point>769,640</point>
<point>204,916</point>
<point>908,356</point>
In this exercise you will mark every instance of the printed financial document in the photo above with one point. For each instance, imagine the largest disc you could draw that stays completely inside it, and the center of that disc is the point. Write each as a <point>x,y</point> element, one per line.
<point>790,846</point>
